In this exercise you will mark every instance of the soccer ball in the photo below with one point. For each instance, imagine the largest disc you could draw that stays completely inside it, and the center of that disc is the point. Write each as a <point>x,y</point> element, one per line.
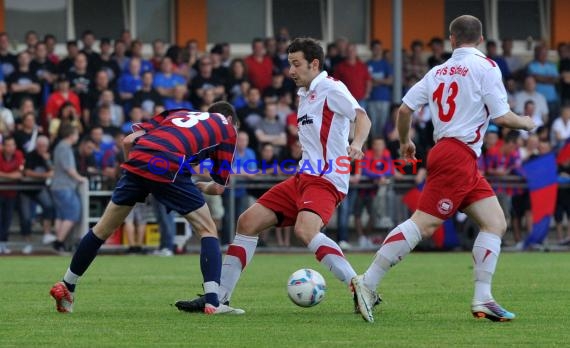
<point>306,287</point>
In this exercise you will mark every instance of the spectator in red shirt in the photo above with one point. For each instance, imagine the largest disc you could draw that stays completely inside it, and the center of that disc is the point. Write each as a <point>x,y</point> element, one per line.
<point>259,66</point>
<point>11,166</point>
<point>355,75</point>
<point>59,97</point>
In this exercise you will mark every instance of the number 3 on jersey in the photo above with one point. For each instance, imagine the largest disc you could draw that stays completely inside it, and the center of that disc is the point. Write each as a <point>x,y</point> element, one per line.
<point>451,93</point>
<point>190,119</point>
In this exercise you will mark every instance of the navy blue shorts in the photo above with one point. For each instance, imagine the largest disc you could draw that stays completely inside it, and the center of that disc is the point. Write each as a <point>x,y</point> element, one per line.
<point>180,196</point>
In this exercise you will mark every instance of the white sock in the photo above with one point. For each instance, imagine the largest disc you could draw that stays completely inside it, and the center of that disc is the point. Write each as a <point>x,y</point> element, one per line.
<point>328,252</point>
<point>239,255</point>
<point>486,250</point>
<point>70,277</point>
<point>211,288</point>
<point>398,243</point>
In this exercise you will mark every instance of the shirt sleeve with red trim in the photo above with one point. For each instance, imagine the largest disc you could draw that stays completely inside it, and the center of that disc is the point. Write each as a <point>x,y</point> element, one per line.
<point>494,93</point>
<point>341,102</point>
<point>418,95</point>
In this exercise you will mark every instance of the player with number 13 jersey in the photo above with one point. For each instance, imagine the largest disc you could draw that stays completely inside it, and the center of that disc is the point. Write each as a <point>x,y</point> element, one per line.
<point>463,95</point>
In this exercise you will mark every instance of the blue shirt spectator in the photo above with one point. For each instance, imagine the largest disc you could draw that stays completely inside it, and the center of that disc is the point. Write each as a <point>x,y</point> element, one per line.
<point>545,73</point>
<point>129,83</point>
<point>146,66</point>
<point>179,99</point>
<point>167,81</point>
<point>379,70</point>
<point>501,62</point>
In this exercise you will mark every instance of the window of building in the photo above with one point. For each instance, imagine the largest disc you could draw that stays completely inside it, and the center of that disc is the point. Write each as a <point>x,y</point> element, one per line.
<point>105,18</point>
<point>44,17</point>
<point>300,17</point>
<point>236,21</point>
<point>153,20</point>
<point>322,19</point>
<point>456,8</point>
<point>350,19</point>
<point>512,12</point>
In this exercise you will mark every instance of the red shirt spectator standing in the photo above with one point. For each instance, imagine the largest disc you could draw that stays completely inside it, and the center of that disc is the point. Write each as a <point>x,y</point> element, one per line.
<point>259,66</point>
<point>354,74</point>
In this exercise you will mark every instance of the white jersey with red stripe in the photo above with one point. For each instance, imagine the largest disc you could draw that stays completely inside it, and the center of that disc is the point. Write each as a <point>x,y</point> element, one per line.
<point>325,112</point>
<point>463,94</point>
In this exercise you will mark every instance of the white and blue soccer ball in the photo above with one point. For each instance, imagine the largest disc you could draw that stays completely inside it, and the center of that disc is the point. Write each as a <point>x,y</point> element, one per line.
<point>306,287</point>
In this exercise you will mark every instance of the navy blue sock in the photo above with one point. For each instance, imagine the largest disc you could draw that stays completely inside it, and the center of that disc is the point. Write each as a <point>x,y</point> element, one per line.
<point>69,286</point>
<point>85,254</point>
<point>211,266</point>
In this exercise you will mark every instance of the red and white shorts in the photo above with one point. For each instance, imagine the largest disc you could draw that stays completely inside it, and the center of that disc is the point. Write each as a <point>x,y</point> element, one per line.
<point>302,192</point>
<point>453,180</point>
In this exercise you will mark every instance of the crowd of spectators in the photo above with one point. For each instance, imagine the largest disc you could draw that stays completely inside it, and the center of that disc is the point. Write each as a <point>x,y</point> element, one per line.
<point>62,118</point>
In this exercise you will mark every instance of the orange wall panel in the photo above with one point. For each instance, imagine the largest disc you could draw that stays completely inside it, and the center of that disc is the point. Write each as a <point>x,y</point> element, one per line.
<point>2,16</point>
<point>560,27</point>
<point>191,22</point>
<point>420,20</point>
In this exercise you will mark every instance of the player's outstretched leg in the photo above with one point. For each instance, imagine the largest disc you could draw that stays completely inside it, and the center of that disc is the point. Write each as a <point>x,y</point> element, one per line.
<point>399,242</point>
<point>63,291</point>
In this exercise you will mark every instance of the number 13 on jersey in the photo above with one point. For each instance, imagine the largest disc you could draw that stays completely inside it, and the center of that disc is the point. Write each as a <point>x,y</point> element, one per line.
<point>448,93</point>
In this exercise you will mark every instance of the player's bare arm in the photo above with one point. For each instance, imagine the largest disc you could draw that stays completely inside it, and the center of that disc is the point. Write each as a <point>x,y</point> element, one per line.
<point>407,147</point>
<point>514,121</point>
<point>130,140</point>
<point>361,129</point>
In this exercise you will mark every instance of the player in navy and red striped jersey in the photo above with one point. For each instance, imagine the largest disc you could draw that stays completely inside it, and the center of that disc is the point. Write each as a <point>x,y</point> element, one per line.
<point>159,155</point>
<point>181,136</point>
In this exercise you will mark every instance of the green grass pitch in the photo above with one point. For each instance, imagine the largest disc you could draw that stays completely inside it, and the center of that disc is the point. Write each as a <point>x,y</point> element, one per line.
<point>127,301</point>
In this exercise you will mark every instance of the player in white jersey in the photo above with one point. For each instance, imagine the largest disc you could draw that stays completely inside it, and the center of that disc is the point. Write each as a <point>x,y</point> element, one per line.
<point>463,94</point>
<point>308,199</point>
<point>325,108</point>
